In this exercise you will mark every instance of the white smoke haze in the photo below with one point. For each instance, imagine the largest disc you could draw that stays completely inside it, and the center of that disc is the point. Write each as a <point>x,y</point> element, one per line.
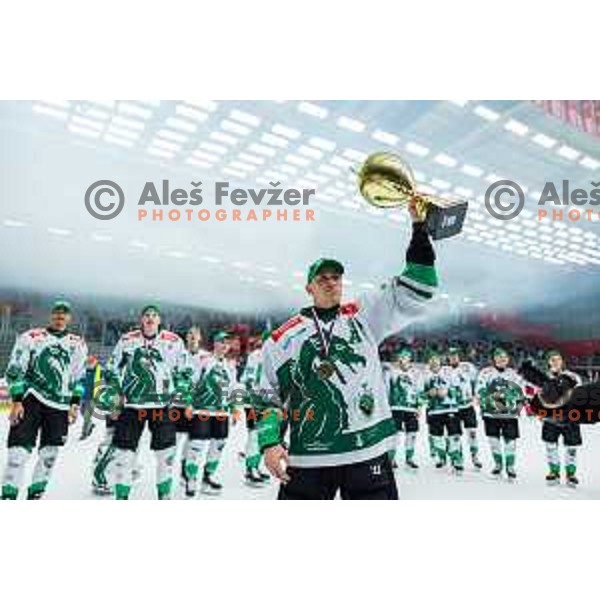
<point>49,243</point>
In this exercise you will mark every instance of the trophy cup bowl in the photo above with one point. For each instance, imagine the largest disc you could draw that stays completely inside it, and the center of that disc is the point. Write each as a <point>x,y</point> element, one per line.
<point>385,180</point>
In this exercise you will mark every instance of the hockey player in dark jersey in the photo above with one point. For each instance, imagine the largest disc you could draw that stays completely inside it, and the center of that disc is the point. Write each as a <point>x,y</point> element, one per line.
<point>555,426</point>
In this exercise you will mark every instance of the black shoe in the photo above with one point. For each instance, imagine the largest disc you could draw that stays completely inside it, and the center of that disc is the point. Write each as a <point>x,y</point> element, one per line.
<point>394,464</point>
<point>253,478</point>
<point>34,495</point>
<point>209,485</point>
<point>553,477</point>
<point>510,471</point>
<point>572,481</point>
<point>476,462</point>
<point>458,469</point>
<point>411,463</point>
<point>441,462</point>
<point>497,471</point>
<point>264,476</point>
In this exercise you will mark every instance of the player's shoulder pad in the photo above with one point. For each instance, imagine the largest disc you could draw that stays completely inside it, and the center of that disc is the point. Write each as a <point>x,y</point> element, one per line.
<point>287,326</point>
<point>349,309</point>
<point>132,335</point>
<point>36,333</point>
<point>169,336</point>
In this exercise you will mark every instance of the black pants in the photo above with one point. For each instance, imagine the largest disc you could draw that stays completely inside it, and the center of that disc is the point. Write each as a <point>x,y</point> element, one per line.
<point>444,422</point>
<point>570,432</point>
<point>369,480</point>
<point>203,429</point>
<point>130,426</point>
<point>52,422</point>
<point>406,420</point>
<point>507,428</point>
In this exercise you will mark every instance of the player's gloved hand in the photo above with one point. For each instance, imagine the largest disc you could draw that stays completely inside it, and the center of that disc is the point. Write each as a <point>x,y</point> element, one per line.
<point>17,411</point>
<point>276,461</point>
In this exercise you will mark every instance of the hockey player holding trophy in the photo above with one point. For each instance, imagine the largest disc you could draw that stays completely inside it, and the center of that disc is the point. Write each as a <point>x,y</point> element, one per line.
<point>324,364</point>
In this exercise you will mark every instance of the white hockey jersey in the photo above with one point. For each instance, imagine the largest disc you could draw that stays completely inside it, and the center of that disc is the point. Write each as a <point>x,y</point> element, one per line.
<point>345,417</point>
<point>143,370</point>
<point>48,364</point>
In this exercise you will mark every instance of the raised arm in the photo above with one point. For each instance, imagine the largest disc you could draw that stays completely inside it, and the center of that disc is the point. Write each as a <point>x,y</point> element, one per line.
<point>404,298</point>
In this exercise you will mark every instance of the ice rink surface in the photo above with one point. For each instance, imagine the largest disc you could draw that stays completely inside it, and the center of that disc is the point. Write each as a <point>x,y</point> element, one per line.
<point>72,474</point>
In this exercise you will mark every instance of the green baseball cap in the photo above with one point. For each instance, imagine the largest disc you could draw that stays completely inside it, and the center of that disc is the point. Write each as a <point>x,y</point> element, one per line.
<point>403,352</point>
<point>148,307</point>
<point>61,306</point>
<point>552,353</point>
<point>220,336</point>
<point>431,353</point>
<point>453,350</point>
<point>499,352</point>
<point>324,263</point>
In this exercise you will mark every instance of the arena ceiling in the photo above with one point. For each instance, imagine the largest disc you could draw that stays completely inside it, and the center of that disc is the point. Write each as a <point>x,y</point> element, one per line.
<point>51,151</point>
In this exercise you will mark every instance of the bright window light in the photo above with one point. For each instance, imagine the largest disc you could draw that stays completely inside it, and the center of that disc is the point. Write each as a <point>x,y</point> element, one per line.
<point>244,117</point>
<point>274,140</point>
<point>322,143</point>
<point>486,113</point>
<point>445,160</point>
<point>385,137</point>
<point>127,108</point>
<point>351,124</point>
<point>260,149</point>
<point>234,127</point>
<point>225,138</point>
<point>417,149</point>
<point>176,123</point>
<point>190,113</point>
<point>516,127</point>
<point>172,135</point>
<point>313,109</point>
<point>568,152</point>
<point>544,140</point>
<point>472,170</point>
<point>49,111</point>
<point>287,132</point>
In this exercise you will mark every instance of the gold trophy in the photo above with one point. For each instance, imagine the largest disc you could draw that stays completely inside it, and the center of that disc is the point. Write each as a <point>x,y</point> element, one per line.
<point>386,181</point>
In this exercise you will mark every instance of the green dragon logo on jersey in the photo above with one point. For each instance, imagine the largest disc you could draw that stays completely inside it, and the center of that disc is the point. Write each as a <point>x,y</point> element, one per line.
<point>322,396</point>
<point>141,375</point>
<point>50,369</point>
<point>213,387</point>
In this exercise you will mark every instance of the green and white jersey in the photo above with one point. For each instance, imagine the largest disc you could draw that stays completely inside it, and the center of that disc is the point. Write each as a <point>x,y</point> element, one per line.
<point>344,417</point>
<point>465,374</point>
<point>48,364</point>
<point>500,392</point>
<point>254,382</point>
<point>213,382</point>
<point>448,395</point>
<point>143,370</point>
<point>187,375</point>
<point>404,388</point>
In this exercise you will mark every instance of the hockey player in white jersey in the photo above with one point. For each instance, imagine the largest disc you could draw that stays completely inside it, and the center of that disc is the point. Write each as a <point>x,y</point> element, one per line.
<point>404,388</point>
<point>45,375</point>
<point>212,379</point>
<point>465,374</point>
<point>556,425</point>
<point>141,372</point>
<point>254,382</point>
<point>323,365</point>
<point>501,397</point>
<point>441,394</point>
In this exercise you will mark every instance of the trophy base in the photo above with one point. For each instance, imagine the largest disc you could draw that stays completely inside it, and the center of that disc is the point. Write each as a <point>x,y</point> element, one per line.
<point>446,221</point>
